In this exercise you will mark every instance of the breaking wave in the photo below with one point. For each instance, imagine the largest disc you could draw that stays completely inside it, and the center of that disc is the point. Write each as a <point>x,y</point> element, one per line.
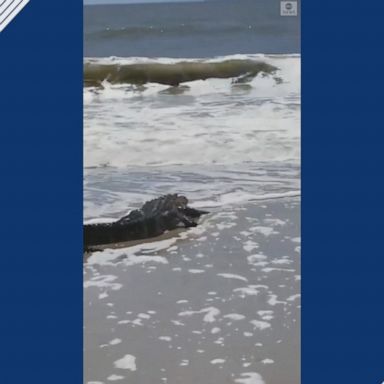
<point>212,121</point>
<point>118,72</point>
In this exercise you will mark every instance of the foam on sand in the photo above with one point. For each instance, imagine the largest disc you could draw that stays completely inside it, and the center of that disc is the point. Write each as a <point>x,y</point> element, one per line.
<point>210,317</point>
<point>234,316</point>
<point>232,276</point>
<point>127,362</point>
<point>217,361</point>
<point>258,324</point>
<point>250,378</point>
<point>103,281</point>
<point>132,255</point>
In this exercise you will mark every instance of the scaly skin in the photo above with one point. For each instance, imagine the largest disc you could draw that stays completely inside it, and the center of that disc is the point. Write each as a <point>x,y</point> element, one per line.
<point>152,219</point>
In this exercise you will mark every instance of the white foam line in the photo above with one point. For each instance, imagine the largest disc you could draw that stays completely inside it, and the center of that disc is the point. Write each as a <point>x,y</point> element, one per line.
<point>234,198</point>
<point>218,361</point>
<point>108,256</point>
<point>272,196</point>
<point>232,276</point>
<point>168,60</point>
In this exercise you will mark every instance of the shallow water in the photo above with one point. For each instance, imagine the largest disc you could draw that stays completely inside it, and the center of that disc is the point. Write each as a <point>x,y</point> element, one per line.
<point>209,122</point>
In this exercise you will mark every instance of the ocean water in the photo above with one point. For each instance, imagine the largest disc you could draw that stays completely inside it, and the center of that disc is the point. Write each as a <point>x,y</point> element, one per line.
<point>201,99</point>
<point>215,140</point>
<point>196,29</point>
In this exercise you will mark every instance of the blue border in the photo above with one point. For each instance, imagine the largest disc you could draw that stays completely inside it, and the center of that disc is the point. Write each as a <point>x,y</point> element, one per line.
<point>41,194</point>
<point>342,199</point>
<point>41,173</point>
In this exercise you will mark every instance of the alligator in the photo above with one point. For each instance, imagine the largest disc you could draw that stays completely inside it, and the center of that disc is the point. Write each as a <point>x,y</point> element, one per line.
<point>153,219</point>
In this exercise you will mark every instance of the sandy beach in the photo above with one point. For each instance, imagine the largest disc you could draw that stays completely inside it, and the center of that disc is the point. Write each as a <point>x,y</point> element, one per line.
<point>219,303</point>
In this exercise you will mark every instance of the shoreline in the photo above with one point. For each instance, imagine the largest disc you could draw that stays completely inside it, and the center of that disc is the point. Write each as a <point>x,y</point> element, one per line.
<point>222,299</point>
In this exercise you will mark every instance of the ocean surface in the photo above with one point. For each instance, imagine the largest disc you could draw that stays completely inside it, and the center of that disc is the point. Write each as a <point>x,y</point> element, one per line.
<point>196,29</point>
<point>201,99</point>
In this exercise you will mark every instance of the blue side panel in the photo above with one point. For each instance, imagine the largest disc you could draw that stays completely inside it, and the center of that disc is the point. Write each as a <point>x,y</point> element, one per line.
<point>41,194</point>
<point>343,199</point>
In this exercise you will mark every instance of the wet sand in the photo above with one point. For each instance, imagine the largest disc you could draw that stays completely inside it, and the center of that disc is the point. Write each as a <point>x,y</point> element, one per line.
<point>217,304</point>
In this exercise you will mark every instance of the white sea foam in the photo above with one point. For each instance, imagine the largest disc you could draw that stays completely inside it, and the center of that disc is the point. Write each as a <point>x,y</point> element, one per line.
<point>266,231</point>
<point>268,270</point>
<point>206,188</point>
<point>250,245</point>
<point>125,126</point>
<point>127,362</point>
<point>275,222</point>
<point>100,220</point>
<point>267,361</point>
<point>143,316</point>
<point>258,324</point>
<point>272,300</point>
<point>283,260</point>
<point>132,255</point>
<point>266,315</point>
<point>294,297</point>
<point>210,313</point>
<point>217,361</point>
<point>232,276</point>
<point>165,338</point>
<point>237,197</point>
<point>103,281</point>
<point>234,316</point>
<point>255,259</point>
<point>250,378</point>
<point>250,290</point>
